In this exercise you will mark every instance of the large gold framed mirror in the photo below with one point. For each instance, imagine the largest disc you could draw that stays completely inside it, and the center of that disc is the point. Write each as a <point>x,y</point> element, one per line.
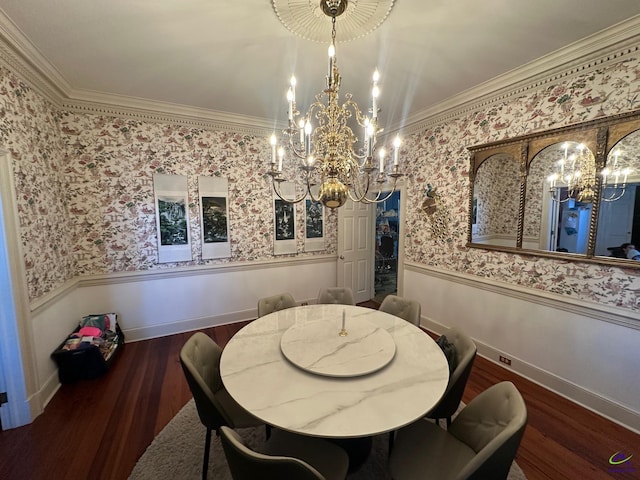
<point>571,193</point>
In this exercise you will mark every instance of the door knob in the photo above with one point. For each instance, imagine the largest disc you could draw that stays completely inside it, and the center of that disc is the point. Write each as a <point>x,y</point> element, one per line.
<point>341,257</point>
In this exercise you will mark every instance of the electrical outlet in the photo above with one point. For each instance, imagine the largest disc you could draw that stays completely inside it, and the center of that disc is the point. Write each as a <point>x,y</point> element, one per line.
<point>304,303</point>
<point>505,360</point>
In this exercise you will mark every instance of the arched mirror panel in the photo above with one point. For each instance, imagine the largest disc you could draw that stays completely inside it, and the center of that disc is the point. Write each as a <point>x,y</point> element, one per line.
<point>618,232</point>
<point>559,195</point>
<point>572,192</point>
<point>496,199</point>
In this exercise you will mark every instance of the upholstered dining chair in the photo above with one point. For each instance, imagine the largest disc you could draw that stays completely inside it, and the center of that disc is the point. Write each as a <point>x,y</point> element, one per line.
<point>481,442</point>
<point>404,308</point>
<point>465,353</point>
<point>287,455</point>
<point>274,303</point>
<point>339,295</point>
<point>200,360</point>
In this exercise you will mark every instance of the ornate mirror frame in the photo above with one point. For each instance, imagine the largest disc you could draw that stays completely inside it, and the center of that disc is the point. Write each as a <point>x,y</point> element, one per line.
<point>600,136</point>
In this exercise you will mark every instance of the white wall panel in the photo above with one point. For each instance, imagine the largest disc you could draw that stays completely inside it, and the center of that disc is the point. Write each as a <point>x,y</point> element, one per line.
<point>592,361</point>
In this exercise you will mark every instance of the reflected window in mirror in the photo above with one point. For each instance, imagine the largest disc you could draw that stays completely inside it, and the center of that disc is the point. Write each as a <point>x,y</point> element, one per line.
<point>559,198</point>
<point>496,197</point>
<point>619,216</point>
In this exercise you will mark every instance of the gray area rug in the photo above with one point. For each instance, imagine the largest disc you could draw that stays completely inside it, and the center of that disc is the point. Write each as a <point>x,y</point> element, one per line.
<point>178,449</point>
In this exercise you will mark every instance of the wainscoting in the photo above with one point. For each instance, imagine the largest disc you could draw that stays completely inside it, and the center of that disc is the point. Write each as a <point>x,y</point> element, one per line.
<point>165,302</point>
<point>585,352</point>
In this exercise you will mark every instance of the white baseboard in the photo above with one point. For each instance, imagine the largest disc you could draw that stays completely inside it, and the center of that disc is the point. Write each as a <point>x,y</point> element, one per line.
<point>592,401</point>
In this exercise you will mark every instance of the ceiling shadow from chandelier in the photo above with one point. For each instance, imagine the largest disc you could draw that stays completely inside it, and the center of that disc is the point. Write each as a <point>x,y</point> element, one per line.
<point>320,150</point>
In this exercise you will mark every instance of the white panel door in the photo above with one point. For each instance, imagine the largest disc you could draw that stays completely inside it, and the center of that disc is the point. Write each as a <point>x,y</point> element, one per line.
<point>355,249</point>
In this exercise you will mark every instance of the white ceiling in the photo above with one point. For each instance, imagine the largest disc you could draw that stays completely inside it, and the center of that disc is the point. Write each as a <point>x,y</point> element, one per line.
<point>235,56</point>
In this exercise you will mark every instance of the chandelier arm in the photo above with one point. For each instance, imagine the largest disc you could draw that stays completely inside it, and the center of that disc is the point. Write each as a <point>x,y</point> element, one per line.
<point>310,192</point>
<point>377,199</point>
<point>356,193</point>
<point>276,188</point>
<point>613,198</point>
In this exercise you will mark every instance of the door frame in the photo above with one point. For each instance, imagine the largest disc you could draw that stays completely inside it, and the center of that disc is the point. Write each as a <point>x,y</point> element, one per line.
<point>401,238</point>
<point>16,345</point>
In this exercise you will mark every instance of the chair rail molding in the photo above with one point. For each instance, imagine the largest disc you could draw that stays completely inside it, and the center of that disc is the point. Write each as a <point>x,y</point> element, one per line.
<point>605,313</point>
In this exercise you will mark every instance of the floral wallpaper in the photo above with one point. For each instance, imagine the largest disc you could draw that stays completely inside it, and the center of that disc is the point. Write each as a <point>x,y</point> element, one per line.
<point>29,131</point>
<point>440,158</point>
<point>497,190</point>
<point>85,191</point>
<point>109,167</point>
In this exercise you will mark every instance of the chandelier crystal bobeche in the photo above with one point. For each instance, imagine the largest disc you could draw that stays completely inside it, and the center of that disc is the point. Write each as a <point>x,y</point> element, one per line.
<point>323,142</point>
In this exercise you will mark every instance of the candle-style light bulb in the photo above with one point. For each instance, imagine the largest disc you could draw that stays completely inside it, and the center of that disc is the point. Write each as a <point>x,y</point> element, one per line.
<point>381,154</point>
<point>396,148</point>
<point>293,83</point>
<point>332,55</point>
<point>375,92</point>
<point>280,158</point>
<point>290,103</point>
<point>307,137</point>
<point>273,142</point>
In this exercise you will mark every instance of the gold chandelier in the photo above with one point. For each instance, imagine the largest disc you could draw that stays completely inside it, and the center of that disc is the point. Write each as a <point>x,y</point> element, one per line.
<point>329,154</point>
<point>614,179</point>
<point>575,171</point>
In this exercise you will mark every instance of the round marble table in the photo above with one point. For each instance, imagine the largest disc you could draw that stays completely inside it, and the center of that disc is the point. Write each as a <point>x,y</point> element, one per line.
<point>257,375</point>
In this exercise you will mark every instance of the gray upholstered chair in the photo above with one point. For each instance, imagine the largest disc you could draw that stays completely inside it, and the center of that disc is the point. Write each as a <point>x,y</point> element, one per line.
<point>465,354</point>
<point>339,295</point>
<point>481,443</point>
<point>402,307</point>
<point>200,360</point>
<point>274,303</point>
<point>286,455</point>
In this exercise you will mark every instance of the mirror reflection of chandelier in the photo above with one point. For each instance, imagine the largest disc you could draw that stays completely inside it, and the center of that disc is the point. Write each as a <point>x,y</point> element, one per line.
<point>323,142</point>
<point>614,179</point>
<point>575,171</point>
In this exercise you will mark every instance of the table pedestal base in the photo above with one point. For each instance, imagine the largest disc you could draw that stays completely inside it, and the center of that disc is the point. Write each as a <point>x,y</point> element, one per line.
<point>358,450</point>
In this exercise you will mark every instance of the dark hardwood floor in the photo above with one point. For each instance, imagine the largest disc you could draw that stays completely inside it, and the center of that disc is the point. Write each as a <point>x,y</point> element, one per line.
<point>99,428</point>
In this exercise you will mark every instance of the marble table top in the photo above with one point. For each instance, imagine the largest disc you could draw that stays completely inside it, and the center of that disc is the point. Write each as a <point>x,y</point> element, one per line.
<point>323,347</point>
<point>257,375</point>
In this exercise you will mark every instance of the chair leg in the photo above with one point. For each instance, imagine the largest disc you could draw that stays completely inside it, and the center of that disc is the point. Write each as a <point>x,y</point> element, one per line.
<point>448,422</point>
<point>207,447</point>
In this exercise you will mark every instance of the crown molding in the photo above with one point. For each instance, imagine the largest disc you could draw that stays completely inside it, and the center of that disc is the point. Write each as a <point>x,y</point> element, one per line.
<point>608,46</point>
<point>84,101</point>
<point>21,57</point>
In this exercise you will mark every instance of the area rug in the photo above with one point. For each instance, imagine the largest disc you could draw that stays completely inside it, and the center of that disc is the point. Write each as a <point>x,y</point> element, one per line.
<point>178,449</point>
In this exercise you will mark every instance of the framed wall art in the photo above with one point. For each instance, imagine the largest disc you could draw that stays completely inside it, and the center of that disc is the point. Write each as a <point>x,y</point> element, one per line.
<point>284,222</point>
<point>172,218</point>
<point>314,225</point>
<point>214,214</point>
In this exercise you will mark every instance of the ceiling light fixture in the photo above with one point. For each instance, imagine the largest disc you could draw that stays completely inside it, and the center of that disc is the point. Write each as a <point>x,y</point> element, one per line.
<point>614,179</point>
<point>576,171</point>
<point>323,142</point>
